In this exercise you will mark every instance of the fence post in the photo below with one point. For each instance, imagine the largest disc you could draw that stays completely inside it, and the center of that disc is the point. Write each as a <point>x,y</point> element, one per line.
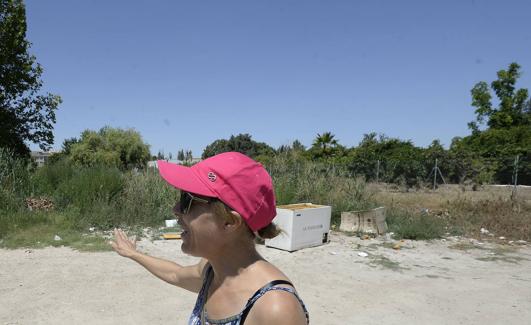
<point>378,171</point>
<point>435,175</point>
<point>515,177</point>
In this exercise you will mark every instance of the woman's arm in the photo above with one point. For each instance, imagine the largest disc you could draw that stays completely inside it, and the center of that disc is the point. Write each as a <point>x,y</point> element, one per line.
<point>186,277</point>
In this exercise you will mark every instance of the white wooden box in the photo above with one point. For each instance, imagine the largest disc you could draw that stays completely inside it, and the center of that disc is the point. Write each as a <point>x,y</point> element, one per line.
<point>303,225</point>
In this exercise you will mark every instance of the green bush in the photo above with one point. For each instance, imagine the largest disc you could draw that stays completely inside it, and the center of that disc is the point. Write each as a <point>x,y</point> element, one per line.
<point>406,225</point>
<point>14,184</point>
<point>49,177</point>
<point>88,187</point>
<point>14,173</point>
<point>146,199</point>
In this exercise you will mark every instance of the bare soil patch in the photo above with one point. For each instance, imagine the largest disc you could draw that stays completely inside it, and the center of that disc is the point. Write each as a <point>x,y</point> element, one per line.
<point>450,281</point>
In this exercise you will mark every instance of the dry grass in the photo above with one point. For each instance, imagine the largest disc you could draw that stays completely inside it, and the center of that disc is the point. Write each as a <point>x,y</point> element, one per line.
<point>465,211</point>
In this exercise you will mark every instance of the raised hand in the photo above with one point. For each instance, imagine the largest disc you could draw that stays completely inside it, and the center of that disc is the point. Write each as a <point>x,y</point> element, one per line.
<point>123,245</point>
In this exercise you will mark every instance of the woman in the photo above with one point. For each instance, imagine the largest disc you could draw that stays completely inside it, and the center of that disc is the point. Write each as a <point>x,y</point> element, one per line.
<point>225,202</point>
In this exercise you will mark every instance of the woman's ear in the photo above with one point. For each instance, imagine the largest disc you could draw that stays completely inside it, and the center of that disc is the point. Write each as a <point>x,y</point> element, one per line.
<point>234,222</point>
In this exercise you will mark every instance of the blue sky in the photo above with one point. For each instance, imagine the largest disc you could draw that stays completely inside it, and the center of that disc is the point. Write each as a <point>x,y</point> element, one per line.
<point>185,73</point>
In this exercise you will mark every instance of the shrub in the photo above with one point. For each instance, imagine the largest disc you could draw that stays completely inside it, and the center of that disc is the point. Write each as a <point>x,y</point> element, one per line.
<point>146,199</point>
<point>89,187</point>
<point>14,174</point>
<point>406,225</point>
<point>49,177</point>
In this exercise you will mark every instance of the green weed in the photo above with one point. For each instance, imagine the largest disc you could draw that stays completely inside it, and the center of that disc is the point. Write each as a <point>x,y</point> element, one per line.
<point>406,225</point>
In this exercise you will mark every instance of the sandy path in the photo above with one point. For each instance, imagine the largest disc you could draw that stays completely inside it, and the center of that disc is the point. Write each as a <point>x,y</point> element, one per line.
<point>427,283</point>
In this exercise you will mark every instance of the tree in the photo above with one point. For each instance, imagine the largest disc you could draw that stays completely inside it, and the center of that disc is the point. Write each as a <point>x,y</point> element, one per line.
<point>467,165</point>
<point>188,156</point>
<point>180,155</point>
<point>242,143</point>
<point>325,141</point>
<point>514,105</point>
<point>298,146</point>
<point>490,153</point>
<point>26,114</point>
<point>111,147</point>
<point>65,151</point>
<point>67,145</point>
<point>364,159</point>
<point>216,147</point>
<point>400,161</point>
<point>326,146</point>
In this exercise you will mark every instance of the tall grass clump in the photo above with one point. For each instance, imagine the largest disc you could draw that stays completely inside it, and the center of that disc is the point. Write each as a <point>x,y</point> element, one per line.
<point>408,225</point>
<point>298,180</point>
<point>147,199</point>
<point>14,184</point>
<point>65,199</point>
<point>89,186</point>
<point>501,216</point>
<point>105,197</point>
<point>14,174</point>
<point>47,179</point>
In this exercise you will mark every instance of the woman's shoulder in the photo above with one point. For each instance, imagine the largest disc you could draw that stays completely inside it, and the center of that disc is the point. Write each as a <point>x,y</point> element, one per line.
<point>278,306</point>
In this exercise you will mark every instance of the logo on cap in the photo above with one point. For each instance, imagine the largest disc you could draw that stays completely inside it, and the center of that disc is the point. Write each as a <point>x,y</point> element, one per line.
<point>212,177</point>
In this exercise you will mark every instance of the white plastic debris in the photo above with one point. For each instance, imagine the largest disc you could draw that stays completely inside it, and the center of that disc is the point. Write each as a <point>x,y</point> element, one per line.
<point>484,231</point>
<point>363,254</point>
<point>171,223</point>
<point>502,238</point>
<point>333,253</point>
<point>91,229</point>
<point>57,238</point>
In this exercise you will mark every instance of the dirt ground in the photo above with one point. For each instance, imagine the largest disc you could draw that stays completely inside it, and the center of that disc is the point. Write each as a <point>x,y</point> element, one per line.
<point>451,281</point>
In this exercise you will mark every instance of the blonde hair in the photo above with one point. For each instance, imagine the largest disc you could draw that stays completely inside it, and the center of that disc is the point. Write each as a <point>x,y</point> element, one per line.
<point>267,232</point>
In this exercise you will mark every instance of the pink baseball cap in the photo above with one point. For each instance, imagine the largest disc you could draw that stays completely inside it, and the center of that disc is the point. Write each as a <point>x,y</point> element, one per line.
<point>238,181</point>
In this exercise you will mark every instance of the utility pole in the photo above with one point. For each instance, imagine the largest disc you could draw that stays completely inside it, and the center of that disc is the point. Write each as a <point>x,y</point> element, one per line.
<point>434,171</point>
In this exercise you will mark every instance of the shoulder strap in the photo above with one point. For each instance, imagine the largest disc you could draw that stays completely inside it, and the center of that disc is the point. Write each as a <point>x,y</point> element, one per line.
<point>250,302</point>
<point>206,284</point>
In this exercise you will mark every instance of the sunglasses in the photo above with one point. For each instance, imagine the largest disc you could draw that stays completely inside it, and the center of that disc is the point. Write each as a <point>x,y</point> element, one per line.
<point>187,199</point>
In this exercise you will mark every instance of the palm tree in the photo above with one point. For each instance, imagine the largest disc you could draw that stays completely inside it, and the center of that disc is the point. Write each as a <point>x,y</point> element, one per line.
<point>325,141</point>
